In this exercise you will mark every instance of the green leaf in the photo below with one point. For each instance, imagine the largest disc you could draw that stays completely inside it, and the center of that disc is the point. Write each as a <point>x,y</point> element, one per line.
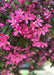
<point>26,2</point>
<point>0,14</point>
<point>52,31</point>
<point>16,1</point>
<point>2,52</point>
<point>8,17</point>
<point>52,21</point>
<point>7,32</point>
<point>7,22</point>
<point>18,7</point>
<point>1,64</point>
<point>4,29</point>
<point>10,28</point>
<point>13,5</point>
<point>9,65</point>
<point>7,29</point>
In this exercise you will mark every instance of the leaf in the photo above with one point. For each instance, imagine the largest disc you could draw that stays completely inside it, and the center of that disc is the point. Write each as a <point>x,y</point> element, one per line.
<point>11,38</point>
<point>7,22</point>
<point>2,64</point>
<point>25,42</point>
<point>4,29</point>
<point>9,65</point>
<point>26,2</point>
<point>7,32</point>
<point>2,52</point>
<point>18,7</point>
<point>7,29</point>
<point>13,5</point>
<point>52,21</point>
<point>8,17</point>
<point>16,1</point>
<point>0,14</point>
<point>10,28</point>
<point>52,31</point>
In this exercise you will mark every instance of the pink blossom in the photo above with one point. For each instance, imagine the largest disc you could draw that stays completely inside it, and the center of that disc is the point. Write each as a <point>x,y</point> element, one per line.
<point>50,1</point>
<point>2,9</point>
<point>52,9</point>
<point>1,24</point>
<point>38,22</point>
<point>19,12</point>
<point>26,18</point>
<point>48,25</point>
<point>39,63</point>
<point>17,30</point>
<point>52,47</point>
<point>21,1</point>
<point>32,66</point>
<point>13,21</point>
<point>47,14</point>
<point>45,29</point>
<point>44,44</point>
<point>4,41</point>
<point>15,58</point>
<point>5,72</point>
<point>37,44</point>
<point>52,57</point>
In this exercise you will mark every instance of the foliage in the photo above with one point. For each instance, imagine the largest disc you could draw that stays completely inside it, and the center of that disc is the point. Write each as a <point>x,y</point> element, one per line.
<point>26,34</point>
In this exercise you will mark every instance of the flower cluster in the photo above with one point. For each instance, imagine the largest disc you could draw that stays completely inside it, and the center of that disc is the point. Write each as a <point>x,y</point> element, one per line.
<point>4,44</point>
<point>32,32</point>
<point>47,15</point>
<point>5,72</point>
<point>14,58</point>
<point>25,31</point>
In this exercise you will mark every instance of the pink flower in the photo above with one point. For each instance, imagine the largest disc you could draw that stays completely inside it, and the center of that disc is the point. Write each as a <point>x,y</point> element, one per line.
<point>19,12</point>
<point>32,67</point>
<point>32,25</point>
<point>48,25</point>
<point>26,18</point>
<point>13,21</point>
<point>4,42</point>
<point>6,48</point>
<point>39,63</point>
<point>40,44</point>
<point>52,9</point>
<point>21,1</point>
<point>50,1</point>
<point>17,30</point>
<point>52,47</point>
<point>6,72</point>
<point>1,24</point>
<point>52,57</point>
<point>15,58</point>
<point>2,9</point>
<point>38,22</point>
<point>37,44</point>
<point>44,44</point>
<point>45,29</point>
<point>35,37</point>
<point>47,14</point>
